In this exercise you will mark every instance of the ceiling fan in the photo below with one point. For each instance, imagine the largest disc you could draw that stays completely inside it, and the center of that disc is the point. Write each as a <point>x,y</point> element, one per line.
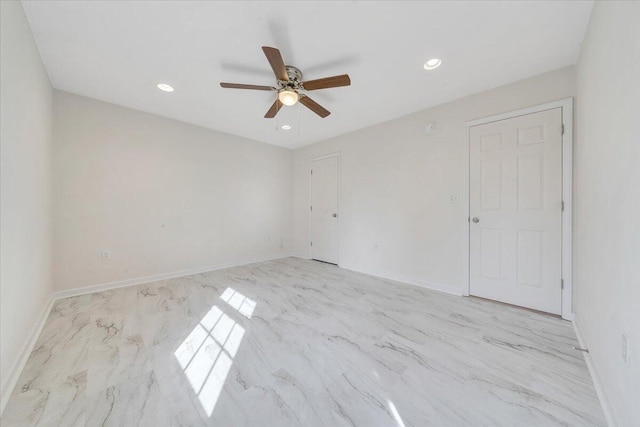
<point>289,81</point>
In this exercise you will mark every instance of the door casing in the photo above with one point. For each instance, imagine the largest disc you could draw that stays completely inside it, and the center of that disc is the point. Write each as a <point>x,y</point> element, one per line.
<point>567,173</point>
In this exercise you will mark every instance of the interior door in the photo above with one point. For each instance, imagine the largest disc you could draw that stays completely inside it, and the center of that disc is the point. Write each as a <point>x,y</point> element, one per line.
<point>515,204</point>
<point>324,209</point>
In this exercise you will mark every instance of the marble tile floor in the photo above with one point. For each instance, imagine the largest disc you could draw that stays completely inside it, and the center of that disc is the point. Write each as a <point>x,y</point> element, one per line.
<point>294,342</point>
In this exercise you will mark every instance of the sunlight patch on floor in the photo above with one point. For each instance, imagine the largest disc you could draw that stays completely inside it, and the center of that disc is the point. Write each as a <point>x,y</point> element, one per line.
<point>235,299</point>
<point>206,355</point>
<point>395,414</point>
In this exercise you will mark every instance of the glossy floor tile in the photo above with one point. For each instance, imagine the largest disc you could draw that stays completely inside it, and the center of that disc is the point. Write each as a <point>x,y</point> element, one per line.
<point>299,343</point>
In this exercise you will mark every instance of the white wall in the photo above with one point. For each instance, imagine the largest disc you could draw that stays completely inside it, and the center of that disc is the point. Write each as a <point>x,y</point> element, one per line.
<point>395,217</point>
<point>163,196</point>
<point>25,191</point>
<point>607,202</point>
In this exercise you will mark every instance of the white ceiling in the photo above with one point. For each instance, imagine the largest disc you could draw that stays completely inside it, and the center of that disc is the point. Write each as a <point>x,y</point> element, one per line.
<point>118,51</point>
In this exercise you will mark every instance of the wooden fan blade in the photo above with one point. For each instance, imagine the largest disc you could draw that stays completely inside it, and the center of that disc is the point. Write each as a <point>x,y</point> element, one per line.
<point>241,86</point>
<point>314,106</point>
<point>327,82</point>
<point>276,62</point>
<point>274,109</point>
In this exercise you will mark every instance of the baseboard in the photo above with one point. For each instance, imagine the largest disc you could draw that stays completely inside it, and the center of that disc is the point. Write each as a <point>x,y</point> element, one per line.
<point>597,383</point>
<point>153,278</point>
<point>14,373</point>
<point>415,282</point>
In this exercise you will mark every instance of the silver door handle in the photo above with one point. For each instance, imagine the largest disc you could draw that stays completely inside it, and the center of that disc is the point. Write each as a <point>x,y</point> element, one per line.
<point>335,215</point>
<point>475,219</point>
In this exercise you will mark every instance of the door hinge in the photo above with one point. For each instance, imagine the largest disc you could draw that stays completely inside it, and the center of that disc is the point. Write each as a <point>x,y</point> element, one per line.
<point>311,244</point>
<point>562,206</point>
<point>562,133</point>
<point>311,171</point>
<point>561,283</point>
<point>468,219</point>
<point>311,208</point>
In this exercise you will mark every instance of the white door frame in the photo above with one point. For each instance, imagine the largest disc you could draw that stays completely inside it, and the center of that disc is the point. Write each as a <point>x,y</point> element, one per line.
<point>567,175</point>
<point>313,159</point>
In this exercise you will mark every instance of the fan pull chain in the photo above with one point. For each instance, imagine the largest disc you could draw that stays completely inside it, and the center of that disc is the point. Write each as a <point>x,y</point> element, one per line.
<point>299,119</point>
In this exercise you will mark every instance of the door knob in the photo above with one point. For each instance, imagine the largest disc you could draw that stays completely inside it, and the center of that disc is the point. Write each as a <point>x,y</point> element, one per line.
<point>334,215</point>
<point>475,219</point>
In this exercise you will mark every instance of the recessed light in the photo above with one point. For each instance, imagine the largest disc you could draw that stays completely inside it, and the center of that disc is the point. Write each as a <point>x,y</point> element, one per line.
<point>432,63</point>
<point>165,87</point>
<point>285,127</point>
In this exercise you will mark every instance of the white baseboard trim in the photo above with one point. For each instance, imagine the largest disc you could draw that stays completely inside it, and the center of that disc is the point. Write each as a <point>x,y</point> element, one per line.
<point>597,383</point>
<point>153,278</point>
<point>427,284</point>
<point>14,374</point>
<point>434,286</point>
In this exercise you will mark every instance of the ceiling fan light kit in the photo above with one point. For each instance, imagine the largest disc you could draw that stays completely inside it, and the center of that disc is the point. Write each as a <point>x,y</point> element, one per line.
<point>288,97</point>
<point>289,81</point>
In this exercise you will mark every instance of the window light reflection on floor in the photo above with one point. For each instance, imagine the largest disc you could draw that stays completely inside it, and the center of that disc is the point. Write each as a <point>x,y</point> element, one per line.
<point>238,301</point>
<point>395,414</point>
<point>206,355</point>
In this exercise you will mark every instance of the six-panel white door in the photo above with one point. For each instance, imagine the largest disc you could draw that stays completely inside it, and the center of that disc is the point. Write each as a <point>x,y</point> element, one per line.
<point>324,209</point>
<point>515,204</point>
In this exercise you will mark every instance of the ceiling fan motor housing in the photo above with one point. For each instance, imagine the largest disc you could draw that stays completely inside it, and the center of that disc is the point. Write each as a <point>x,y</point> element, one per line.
<point>295,77</point>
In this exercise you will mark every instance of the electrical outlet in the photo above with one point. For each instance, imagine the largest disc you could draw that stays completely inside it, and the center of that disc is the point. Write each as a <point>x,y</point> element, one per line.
<point>106,255</point>
<point>625,348</point>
